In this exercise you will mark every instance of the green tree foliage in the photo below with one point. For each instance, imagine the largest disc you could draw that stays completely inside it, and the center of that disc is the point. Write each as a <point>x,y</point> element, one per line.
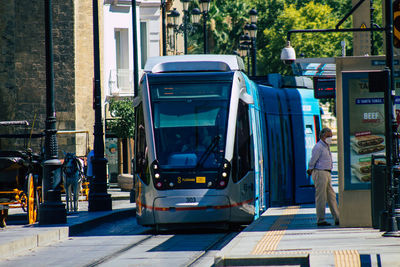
<point>275,19</point>
<point>228,18</point>
<point>123,124</point>
<point>378,19</point>
<point>311,15</point>
<point>224,27</point>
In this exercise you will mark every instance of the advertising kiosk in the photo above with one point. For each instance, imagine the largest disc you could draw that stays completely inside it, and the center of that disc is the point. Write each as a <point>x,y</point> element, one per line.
<point>361,136</point>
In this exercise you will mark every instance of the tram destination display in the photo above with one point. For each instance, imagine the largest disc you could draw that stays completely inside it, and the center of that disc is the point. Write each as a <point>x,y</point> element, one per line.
<point>324,87</point>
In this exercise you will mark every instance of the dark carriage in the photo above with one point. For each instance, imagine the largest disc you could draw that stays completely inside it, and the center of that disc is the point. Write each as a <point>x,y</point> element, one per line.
<point>20,178</point>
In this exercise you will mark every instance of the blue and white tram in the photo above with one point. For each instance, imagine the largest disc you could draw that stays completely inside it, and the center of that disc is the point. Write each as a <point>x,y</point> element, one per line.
<point>201,152</point>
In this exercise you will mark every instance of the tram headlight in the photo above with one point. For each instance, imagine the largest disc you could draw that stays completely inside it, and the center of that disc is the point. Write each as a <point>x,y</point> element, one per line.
<point>155,169</point>
<point>225,171</point>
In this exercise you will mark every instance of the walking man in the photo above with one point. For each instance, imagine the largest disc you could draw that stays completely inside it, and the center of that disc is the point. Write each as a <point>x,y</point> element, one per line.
<point>320,167</point>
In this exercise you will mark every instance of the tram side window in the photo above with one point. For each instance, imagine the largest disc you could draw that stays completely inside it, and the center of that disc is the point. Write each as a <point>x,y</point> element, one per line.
<point>242,157</point>
<point>141,146</point>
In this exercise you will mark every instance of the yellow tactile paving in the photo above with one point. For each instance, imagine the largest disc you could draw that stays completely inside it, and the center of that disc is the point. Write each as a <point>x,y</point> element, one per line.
<point>347,258</point>
<point>271,239</point>
<point>269,243</point>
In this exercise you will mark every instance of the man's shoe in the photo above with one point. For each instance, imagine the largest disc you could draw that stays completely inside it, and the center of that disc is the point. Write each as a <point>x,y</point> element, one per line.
<point>324,223</point>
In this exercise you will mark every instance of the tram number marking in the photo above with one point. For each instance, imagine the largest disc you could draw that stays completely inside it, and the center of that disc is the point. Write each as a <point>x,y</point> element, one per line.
<point>190,200</point>
<point>200,179</point>
<point>180,180</point>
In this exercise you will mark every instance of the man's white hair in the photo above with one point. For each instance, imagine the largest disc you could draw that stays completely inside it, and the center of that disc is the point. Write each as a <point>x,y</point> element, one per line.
<point>324,131</point>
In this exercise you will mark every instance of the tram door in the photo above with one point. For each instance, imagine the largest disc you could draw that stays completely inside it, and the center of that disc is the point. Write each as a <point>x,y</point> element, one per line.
<point>305,191</point>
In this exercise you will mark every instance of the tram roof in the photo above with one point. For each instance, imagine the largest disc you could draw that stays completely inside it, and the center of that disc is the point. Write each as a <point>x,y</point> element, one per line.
<point>188,63</point>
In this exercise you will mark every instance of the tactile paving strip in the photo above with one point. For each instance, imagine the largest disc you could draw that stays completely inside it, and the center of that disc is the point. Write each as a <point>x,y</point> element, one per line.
<point>269,243</point>
<point>271,239</point>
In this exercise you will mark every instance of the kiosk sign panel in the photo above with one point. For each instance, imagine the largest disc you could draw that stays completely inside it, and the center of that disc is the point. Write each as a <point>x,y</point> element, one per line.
<point>364,128</point>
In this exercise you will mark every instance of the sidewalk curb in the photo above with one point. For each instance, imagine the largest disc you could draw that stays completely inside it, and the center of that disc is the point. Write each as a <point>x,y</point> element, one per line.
<point>263,260</point>
<point>113,215</point>
<point>24,242</point>
<point>28,237</point>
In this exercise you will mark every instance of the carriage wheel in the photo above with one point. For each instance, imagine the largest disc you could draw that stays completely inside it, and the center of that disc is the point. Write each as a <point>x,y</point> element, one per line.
<point>32,200</point>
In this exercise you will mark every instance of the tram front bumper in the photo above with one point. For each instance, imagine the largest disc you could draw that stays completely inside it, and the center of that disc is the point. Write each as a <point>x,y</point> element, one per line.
<point>191,209</point>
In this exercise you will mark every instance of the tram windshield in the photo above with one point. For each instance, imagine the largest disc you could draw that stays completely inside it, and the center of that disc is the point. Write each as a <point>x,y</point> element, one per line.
<point>190,122</point>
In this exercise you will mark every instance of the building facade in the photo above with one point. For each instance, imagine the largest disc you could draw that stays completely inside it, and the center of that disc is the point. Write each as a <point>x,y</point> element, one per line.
<point>23,64</point>
<point>23,72</point>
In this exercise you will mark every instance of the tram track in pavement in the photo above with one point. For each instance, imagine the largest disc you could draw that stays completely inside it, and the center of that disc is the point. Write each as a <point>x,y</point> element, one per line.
<point>216,245</point>
<point>123,242</point>
<point>204,252</point>
<point>117,253</point>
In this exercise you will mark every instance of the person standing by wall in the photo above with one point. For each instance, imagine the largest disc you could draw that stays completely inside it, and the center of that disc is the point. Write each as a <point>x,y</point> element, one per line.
<point>320,167</point>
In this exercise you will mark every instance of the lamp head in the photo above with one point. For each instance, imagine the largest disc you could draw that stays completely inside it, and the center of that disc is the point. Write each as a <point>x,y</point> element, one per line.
<point>196,13</point>
<point>173,17</point>
<point>253,16</point>
<point>288,55</point>
<point>205,5</point>
<point>185,4</point>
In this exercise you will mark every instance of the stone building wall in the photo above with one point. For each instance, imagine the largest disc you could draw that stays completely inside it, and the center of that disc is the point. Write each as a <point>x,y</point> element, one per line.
<point>84,71</point>
<point>23,70</point>
<point>7,61</point>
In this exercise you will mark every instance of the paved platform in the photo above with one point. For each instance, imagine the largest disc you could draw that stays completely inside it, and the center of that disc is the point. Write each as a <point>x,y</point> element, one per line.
<point>18,237</point>
<point>289,236</point>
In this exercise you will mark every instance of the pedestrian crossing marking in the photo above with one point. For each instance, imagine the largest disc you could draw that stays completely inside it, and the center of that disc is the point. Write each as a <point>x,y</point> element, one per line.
<point>273,236</point>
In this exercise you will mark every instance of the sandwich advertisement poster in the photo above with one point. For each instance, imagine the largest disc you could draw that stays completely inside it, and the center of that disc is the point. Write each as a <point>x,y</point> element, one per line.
<point>364,128</point>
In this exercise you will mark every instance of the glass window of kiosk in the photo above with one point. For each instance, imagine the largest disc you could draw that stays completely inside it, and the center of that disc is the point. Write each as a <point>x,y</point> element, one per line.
<point>363,128</point>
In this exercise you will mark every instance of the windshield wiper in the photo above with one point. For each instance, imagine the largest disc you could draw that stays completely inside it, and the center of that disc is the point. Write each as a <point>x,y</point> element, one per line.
<point>208,151</point>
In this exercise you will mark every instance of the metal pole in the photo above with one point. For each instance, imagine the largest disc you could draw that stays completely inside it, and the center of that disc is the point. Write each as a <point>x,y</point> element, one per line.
<point>390,123</point>
<point>99,200</point>
<point>52,211</point>
<point>253,57</point>
<point>135,51</point>
<point>205,31</point>
<point>185,19</point>
<point>164,31</point>
<point>371,6</point>
<point>248,59</point>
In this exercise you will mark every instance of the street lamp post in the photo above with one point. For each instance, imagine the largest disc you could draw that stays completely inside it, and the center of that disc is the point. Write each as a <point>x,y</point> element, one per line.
<point>135,50</point>
<point>204,7</point>
<point>172,19</point>
<point>252,28</point>
<point>164,30</point>
<point>391,129</point>
<point>99,200</point>
<point>185,4</point>
<point>243,52</point>
<point>245,43</point>
<point>52,210</point>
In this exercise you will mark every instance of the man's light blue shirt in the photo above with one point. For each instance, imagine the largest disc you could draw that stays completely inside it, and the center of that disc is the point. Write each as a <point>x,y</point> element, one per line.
<point>321,157</point>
